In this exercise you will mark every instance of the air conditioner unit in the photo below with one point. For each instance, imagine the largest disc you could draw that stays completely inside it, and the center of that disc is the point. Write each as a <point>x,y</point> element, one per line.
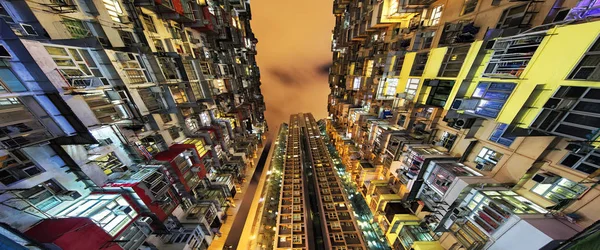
<point>457,219</point>
<point>125,19</point>
<point>145,221</point>
<point>545,178</point>
<point>68,195</point>
<point>29,30</point>
<point>461,212</point>
<point>463,123</point>
<point>122,57</point>
<point>122,210</point>
<point>4,52</point>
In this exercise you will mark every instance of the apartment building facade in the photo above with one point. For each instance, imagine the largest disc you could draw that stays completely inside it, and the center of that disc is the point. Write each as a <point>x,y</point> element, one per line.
<point>479,114</point>
<point>314,211</point>
<point>134,120</point>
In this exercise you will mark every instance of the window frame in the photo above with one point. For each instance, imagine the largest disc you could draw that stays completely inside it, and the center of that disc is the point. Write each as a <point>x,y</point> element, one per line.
<point>487,158</point>
<point>19,173</point>
<point>547,193</point>
<point>436,15</point>
<point>589,52</point>
<point>464,7</point>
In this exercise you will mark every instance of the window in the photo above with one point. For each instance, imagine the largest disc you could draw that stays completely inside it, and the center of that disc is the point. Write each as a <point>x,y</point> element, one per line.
<point>297,239</point>
<point>169,68</point>
<point>499,137</point>
<point>439,92</point>
<point>493,96</point>
<point>331,215</point>
<point>190,71</point>
<point>453,61</point>
<point>514,17</point>
<point>387,89</point>
<point>419,64</point>
<point>559,190</point>
<point>447,140</point>
<point>572,112</point>
<point>14,174</point>
<point>586,162</point>
<point>423,40</point>
<point>9,82</point>
<point>77,66</point>
<point>436,14</point>
<point>127,37</point>
<point>149,23</point>
<point>338,237</point>
<point>335,224</point>
<point>469,6</point>
<point>588,69</point>
<point>395,226</point>
<point>487,159</point>
<point>411,88</point>
<point>400,61</point>
<point>134,68</point>
<point>158,45</point>
<point>114,9</point>
<point>297,217</point>
<point>512,55</point>
<point>356,83</point>
<point>43,196</point>
<point>166,117</point>
<point>297,227</point>
<point>174,132</point>
<point>5,15</point>
<point>75,27</point>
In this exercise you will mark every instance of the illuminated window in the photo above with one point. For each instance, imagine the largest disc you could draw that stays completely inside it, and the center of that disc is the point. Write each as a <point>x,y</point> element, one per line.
<point>436,14</point>
<point>356,83</point>
<point>487,159</point>
<point>559,190</point>
<point>114,9</point>
<point>411,88</point>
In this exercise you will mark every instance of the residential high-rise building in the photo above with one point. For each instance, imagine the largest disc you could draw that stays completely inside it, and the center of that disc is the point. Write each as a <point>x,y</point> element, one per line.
<point>313,207</point>
<point>124,124</point>
<point>469,124</point>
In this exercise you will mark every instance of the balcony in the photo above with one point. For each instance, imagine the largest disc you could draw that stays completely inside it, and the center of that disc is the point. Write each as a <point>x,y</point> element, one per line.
<point>512,55</point>
<point>460,32</point>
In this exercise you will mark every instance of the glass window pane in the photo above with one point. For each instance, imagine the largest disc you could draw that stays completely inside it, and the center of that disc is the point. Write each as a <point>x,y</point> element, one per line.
<point>11,81</point>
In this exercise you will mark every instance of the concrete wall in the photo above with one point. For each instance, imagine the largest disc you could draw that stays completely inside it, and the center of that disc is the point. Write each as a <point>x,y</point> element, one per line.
<point>45,157</point>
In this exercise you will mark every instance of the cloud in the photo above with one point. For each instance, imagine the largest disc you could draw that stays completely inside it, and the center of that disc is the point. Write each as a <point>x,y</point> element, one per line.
<point>324,69</point>
<point>285,77</point>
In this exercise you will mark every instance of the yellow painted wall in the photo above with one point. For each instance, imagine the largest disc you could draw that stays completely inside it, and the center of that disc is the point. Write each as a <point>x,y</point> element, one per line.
<point>427,245</point>
<point>553,61</point>
<point>409,59</point>
<point>546,69</point>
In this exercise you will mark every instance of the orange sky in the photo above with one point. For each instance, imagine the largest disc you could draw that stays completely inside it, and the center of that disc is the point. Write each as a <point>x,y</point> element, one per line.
<point>294,41</point>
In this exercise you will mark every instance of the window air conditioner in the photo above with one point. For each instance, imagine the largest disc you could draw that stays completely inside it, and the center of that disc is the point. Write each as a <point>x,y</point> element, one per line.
<point>464,123</point>
<point>545,178</point>
<point>122,210</point>
<point>145,221</point>
<point>29,30</point>
<point>68,195</point>
<point>461,212</point>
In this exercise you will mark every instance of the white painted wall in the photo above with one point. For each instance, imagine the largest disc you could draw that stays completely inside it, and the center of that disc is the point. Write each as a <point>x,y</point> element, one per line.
<point>521,236</point>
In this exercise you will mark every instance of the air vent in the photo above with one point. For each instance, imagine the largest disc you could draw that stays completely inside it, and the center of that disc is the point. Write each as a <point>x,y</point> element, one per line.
<point>4,52</point>
<point>29,30</point>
